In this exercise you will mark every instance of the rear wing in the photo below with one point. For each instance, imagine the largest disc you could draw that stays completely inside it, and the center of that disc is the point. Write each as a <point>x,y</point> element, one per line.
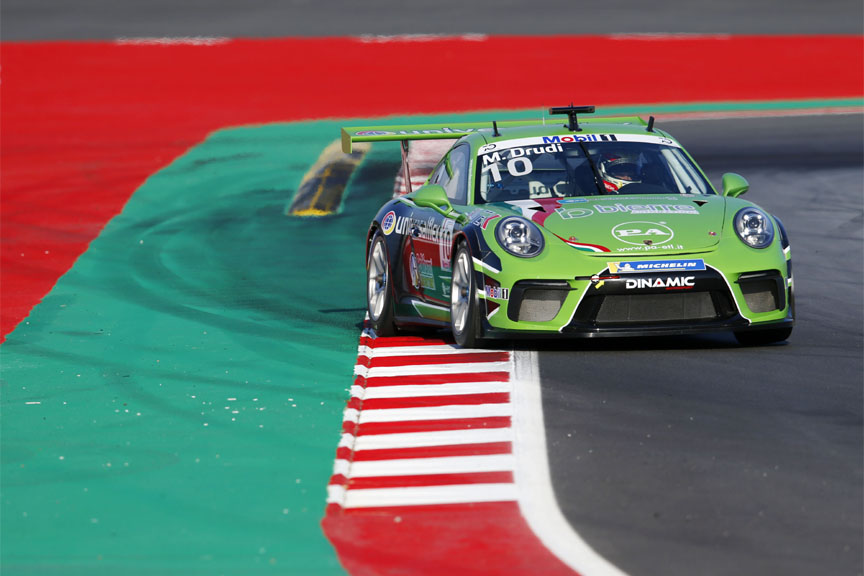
<point>451,131</point>
<point>403,134</point>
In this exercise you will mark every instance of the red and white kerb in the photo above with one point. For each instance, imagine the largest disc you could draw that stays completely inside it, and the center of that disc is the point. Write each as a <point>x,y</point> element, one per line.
<point>427,423</point>
<point>442,467</point>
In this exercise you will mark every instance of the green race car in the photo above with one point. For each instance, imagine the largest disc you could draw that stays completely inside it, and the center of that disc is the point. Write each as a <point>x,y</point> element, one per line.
<point>586,227</point>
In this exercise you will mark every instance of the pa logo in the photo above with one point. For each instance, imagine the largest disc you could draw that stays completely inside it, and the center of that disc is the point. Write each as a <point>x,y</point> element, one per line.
<point>636,233</point>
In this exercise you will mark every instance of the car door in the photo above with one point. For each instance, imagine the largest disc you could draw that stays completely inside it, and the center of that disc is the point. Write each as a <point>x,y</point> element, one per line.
<point>432,238</point>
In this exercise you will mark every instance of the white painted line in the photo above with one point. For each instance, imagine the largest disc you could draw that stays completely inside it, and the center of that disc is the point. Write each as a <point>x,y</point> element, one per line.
<point>778,113</point>
<point>668,36</point>
<point>388,351</point>
<point>425,495</point>
<point>423,466</point>
<point>436,413</point>
<point>169,41</point>
<point>384,38</point>
<point>450,389</point>
<point>426,369</point>
<point>536,496</point>
<point>437,438</point>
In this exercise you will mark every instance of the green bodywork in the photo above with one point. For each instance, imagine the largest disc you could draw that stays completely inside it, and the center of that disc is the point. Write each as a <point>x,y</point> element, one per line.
<point>560,261</point>
<point>580,244</point>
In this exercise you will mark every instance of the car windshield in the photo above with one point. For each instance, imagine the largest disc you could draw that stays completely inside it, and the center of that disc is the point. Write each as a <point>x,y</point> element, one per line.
<point>584,165</point>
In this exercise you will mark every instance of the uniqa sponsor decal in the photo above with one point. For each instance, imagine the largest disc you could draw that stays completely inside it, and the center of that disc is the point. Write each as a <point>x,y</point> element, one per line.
<point>388,222</point>
<point>432,230</point>
<point>442,130</point>
<point>638,232</point>
<point>667,283</point>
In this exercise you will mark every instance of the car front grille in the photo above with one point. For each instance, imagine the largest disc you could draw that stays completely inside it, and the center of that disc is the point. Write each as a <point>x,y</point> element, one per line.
<point>625,309</point>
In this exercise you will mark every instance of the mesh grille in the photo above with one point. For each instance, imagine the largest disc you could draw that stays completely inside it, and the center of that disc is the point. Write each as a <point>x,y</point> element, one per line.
<point>541,305</point>
<point>761,296</point>
<point>656,308</point>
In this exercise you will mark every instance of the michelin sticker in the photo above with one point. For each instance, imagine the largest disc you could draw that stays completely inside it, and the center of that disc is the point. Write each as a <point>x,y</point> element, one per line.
<point>655,266</point>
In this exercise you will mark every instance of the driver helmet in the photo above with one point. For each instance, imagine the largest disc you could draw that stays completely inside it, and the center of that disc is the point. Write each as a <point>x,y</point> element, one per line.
<point>618,171</point>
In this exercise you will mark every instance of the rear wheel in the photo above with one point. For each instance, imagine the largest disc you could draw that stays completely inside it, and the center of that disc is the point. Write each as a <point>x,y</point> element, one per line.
<point>379,289</point>
<point>464,316</point>
<point>760,337</point>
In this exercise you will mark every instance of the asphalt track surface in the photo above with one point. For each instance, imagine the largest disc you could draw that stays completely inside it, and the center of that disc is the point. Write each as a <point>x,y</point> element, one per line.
<point>100,19</point>
<point>696,456</point>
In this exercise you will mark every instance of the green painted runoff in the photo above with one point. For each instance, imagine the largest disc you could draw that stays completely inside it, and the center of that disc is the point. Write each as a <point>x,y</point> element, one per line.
<point>173,405</point>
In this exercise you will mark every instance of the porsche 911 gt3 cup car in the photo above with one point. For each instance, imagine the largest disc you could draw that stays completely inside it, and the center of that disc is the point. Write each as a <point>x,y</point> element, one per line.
<point>594,227</point>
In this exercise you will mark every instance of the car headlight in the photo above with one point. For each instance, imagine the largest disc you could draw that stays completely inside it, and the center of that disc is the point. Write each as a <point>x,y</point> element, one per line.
<point>754,227</point>
<point>519,237</point>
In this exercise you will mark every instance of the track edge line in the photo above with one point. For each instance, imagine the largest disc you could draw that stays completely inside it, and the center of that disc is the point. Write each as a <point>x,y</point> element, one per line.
<point>536,496</point>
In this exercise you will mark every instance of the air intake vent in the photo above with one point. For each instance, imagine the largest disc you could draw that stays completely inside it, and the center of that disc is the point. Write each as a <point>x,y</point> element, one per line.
<point>763,291</point>
<point>537,300</point>
<point>541,305</point>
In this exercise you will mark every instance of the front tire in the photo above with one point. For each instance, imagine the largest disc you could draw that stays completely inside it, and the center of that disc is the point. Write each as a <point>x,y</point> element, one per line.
<point>464,314</point>
<point>379,288</point>
<point>762,337</point>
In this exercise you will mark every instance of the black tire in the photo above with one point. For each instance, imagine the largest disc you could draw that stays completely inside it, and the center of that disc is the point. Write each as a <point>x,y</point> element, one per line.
<point>762,337</point>
<point>379,288</point>
<point>464,314</point>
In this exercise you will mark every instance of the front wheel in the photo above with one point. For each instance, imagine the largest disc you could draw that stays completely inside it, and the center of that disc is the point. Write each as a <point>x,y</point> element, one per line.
<point>761,337</point>
<point>464,316</point>
<point>379,290</point>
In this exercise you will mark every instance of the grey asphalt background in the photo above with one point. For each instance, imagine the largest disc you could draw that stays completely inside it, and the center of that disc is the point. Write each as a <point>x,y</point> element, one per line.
<point>679,456</point>
<point>669,456</point>
<point>106,19</point>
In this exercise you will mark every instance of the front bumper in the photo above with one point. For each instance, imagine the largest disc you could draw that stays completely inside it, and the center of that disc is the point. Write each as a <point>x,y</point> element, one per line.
<point>602,304</point>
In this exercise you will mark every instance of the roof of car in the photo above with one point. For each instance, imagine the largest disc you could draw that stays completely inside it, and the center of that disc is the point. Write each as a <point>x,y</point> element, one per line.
<point>626,125</point>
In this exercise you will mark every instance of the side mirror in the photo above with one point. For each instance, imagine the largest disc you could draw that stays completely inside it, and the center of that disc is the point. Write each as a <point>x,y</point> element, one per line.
<point>433,196</point>
<point>734,185</point>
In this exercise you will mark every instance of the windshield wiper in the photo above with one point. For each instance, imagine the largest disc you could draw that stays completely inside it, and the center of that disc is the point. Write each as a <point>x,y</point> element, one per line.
<point>601,189</point>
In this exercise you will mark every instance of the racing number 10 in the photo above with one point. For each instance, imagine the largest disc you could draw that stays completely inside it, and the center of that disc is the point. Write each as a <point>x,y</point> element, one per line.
<point>527,168</point>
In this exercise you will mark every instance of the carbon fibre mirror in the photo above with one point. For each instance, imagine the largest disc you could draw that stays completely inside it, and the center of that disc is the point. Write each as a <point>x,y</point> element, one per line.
<point>734,185</point>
